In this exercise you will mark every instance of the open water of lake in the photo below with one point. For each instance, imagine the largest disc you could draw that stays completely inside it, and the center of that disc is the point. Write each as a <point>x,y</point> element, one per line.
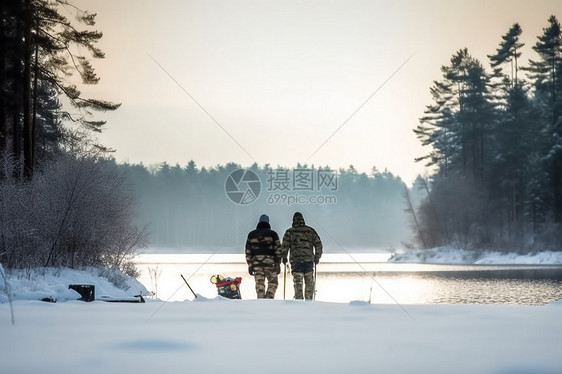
<point>345,277</point>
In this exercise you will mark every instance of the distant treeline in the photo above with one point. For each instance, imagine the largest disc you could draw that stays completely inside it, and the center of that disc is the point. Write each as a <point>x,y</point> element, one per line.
<point>188,207</point>
<point>496,141</point>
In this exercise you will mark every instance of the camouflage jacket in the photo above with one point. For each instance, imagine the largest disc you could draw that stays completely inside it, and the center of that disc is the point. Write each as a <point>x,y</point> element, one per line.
<point>301,243</point>
<point>263,248</point>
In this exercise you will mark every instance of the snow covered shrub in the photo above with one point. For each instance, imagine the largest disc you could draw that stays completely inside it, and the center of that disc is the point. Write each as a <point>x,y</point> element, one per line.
<point>17,222</point>
<point>129,268</point>
<point>115,276</point>
<point>75,212</point>
<point>90,214</point>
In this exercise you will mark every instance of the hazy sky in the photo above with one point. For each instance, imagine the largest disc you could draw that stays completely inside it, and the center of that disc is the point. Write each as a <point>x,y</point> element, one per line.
<point>279,78</point>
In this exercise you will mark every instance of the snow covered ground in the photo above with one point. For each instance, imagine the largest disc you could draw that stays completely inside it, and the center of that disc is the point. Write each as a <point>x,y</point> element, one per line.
<point>257,336</point>
<point>448,255</point>
<point>264,336</point>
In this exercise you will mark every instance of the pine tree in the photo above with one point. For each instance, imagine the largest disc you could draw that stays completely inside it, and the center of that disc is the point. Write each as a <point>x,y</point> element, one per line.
<point>513,146</point>
<point>514,154</point>
<point>509,51</point>
<point>459,127</point>
<point>11,58</point>
<point>546,76</point>
<point>49,129</point>
<point>456,124</point>
<point>497,144</point>
<point>39,55</point>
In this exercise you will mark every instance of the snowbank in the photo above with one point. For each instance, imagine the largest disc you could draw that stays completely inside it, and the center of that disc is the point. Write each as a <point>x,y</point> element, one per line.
<point>542,258</point>
<point>53,283</point>
<point>275,336</point>
<point>448,255</point>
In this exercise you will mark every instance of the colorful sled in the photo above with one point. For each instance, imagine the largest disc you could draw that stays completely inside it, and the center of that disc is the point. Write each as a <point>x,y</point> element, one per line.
<point>227,287</point>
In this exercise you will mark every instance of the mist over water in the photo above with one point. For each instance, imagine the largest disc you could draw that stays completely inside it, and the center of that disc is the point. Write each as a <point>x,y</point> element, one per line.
<point>191,210</point>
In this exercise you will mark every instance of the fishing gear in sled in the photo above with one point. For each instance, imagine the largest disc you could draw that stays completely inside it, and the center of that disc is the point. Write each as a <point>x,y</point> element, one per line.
<point>227,287</point>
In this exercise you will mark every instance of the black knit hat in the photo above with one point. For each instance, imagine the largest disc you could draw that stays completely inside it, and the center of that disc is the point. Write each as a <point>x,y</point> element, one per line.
<point>264,218</point>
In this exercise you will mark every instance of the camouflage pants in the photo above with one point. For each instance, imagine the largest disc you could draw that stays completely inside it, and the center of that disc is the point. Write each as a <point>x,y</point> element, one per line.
<point>308,282</point>
<point>260,275</point>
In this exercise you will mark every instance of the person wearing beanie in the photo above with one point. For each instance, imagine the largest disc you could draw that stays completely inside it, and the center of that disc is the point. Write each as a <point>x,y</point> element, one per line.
<point>263,256</point>
<point>304,246</point>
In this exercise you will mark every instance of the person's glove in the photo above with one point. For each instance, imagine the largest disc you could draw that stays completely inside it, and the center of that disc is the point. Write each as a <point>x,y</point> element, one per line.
<point>278,268</point>
<point>251,270</point>
<point>284,261</point>
<point>316,261</point>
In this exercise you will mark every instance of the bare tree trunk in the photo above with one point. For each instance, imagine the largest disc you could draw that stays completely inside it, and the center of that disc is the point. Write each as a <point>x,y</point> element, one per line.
<point>27,118</point>
<point>412,211</point>
<point>15,106</point>
<point>3,98</point>
<point>35,97</point>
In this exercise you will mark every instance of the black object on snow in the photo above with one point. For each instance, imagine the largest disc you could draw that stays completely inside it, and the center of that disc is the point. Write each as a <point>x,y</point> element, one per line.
<point>86,291</point>
<point>133,299</point>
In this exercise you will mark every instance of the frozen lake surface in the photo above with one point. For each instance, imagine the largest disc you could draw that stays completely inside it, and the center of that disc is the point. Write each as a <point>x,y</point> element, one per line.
<point>346,277</point>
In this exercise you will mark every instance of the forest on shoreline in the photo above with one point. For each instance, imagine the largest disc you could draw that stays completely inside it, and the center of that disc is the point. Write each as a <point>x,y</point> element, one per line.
<point>496,142</point>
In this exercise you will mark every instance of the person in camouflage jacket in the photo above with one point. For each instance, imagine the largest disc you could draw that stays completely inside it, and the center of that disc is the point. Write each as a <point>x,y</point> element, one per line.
<point>263,256</point>
<point>303,246</point>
